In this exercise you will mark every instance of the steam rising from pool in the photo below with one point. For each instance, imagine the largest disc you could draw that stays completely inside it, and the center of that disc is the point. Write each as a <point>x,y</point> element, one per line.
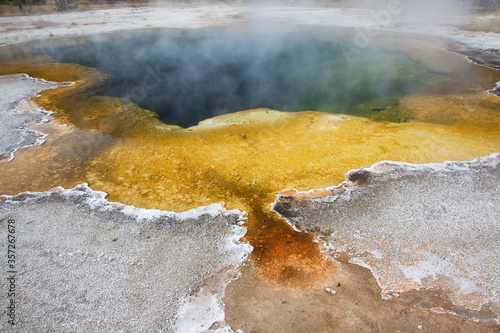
<point>189,76</point>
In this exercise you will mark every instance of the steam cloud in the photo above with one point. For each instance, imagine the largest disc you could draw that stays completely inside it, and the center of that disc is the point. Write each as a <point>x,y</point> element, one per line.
<point>188,76</point>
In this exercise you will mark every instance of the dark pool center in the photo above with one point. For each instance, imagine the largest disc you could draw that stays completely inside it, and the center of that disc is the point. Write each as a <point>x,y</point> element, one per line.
<point>187,76</point>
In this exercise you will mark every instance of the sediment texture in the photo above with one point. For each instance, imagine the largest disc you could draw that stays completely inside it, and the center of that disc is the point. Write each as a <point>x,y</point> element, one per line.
<point>433,226</point>
<point>13,132</point>
<point>86,264</point>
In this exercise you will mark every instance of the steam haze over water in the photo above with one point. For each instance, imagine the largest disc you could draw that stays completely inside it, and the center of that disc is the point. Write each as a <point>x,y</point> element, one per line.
<point>187,76</point>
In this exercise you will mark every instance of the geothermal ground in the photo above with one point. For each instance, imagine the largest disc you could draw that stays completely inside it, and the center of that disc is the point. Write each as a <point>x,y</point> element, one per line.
<point>257,220</point>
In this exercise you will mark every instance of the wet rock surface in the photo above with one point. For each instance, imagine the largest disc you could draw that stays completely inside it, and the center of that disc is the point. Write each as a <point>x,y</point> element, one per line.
<point>13,132</point>
<point>490,57</point>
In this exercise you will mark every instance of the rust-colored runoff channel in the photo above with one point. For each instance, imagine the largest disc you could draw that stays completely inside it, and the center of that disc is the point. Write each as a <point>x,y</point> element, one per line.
<point>281,255</point>
<point>290,286</point>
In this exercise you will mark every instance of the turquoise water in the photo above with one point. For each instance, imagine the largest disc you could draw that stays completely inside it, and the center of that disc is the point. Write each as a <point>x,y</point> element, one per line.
<point>189,76</point>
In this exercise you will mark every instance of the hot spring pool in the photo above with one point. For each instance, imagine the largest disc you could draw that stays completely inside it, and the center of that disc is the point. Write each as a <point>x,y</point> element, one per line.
<point>188,76</point>
<point>400,98</point>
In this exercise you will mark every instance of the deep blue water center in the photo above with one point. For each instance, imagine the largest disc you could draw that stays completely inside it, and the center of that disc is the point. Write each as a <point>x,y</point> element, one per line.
<point>189,76</point>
